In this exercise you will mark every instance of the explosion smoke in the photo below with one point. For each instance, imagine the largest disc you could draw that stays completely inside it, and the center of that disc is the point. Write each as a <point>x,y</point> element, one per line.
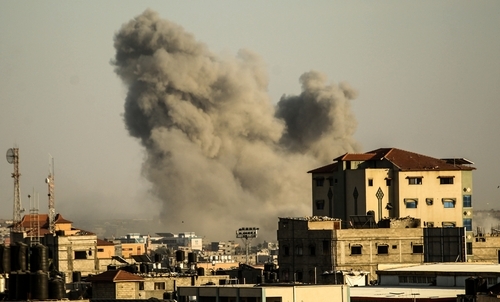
<point>219,154</point>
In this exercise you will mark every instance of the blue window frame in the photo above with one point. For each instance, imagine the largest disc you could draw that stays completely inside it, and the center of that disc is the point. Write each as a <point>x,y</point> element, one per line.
<point>468,224</point>
<point>467,201</point>
<point>411,203</point>
<point>449,202</point>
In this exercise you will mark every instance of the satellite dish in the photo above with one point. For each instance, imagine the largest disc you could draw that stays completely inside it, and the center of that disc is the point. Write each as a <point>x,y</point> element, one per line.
<point>10,156</point>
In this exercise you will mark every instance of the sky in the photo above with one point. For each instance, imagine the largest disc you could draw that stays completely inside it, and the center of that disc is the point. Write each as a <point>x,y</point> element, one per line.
<point>426,76</point>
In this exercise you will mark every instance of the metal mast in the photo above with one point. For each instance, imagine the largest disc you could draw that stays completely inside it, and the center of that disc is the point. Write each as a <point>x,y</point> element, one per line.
<point>50,183</point>
<point>13,158</point>
<point>34,220</point>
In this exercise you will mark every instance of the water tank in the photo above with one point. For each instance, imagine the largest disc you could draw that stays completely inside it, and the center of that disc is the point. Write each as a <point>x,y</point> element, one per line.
<point>39,258</point>
<point>13,286</point>
<point>144,269</point>
<point>2,284</point>
<point>5,259</point>
<point>18,256</point>
<point>179,256</point>
<point>192,257</point>
<point>200,271</point>
<point>39,285</point>
<point>56,289</point>
<point>77,276</point>
<point>23,285</point>
<point>158,258</point>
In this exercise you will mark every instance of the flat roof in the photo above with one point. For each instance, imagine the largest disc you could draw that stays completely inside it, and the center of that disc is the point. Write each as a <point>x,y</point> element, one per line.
<point>462,267</point>
<point>398,292</point>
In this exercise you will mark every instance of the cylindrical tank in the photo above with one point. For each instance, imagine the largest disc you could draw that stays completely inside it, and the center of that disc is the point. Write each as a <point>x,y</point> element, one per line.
<point>13,286</point>
<point>2,284</point>
<point>18,256</point>
<point>77,276</point>
<point>200,271</point>
<point>23,285</point>
<point>143,267</point>
<point>179,255</point>
<point>56,289</point>
<point>39,285</point>
<point>5,259</point>
<point>191,257</point>
<point>39,258</point>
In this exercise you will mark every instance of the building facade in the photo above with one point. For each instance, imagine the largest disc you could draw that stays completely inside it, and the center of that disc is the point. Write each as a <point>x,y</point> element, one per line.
<point>390,182</point>
<point>316,250</point>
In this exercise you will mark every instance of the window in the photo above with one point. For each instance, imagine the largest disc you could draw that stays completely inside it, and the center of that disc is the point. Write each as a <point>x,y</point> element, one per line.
<point>312,250</point>
<point>141,285</point>
<point>370,182</point>
<point>395,246</point>
<point>411,203</point>
<point>330,181</point>
<point>286,250</point>
<point>467,201</point>
<point>100,250</point>
<point>159,285</point>
<point>298,250</point>
<point>468,224</point>
<point>326,247</point>
<point>446,180</point>
<point>491,281</point>
<point>356,249</point>
<point>414,180</point>
<point>382,249</point>
<point>430,224</point>
<point>320,181</point>
<point>388,182</point>
<point>429,201</point>
<point>417,249</point>
<point>80,255</point>
<point>449,202</point>
<point>448,224</point>
<point>320,204</point>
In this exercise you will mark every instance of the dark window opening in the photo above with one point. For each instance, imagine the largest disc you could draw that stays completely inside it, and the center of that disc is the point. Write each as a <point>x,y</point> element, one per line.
<point>445,180</point>
<point>388,182</point>
<point>429,201</point>
<point>414,180</point>
<point>326,247</point>
<point>417,249</point>
<point>469,248</point>
<point>320,181</point>
<point>320,204</point>
<point>394,247</point>
<point>80,255</point>
<point>286,250</point>
<point>383,249</point>
<point>356,249</point>
<point>298,250</point>
<point>312,250</point>
<point>370,182</point>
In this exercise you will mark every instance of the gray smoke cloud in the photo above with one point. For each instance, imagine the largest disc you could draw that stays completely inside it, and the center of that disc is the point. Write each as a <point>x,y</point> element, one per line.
<point>220,155</point>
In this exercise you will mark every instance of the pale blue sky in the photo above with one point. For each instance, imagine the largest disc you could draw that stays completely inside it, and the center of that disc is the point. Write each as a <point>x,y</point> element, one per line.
<point>427,73</point>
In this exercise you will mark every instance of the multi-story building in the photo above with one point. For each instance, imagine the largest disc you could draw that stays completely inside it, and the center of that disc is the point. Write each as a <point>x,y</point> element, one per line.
<point>316,249</point>
<point>390,182</point>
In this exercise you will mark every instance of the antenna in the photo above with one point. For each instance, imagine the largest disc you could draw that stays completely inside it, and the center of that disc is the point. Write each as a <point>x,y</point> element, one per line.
<point>13,158</point>
<point>50,183</point>
<point>34,220</point>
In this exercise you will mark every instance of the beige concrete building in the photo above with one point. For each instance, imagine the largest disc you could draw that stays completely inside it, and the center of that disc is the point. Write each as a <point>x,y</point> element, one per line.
<point>276,293</point>
<point>390,182</point>
<point>312,248</point>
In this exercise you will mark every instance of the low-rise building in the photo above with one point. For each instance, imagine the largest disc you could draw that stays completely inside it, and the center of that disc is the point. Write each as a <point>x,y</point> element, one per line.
<point>267,293</point>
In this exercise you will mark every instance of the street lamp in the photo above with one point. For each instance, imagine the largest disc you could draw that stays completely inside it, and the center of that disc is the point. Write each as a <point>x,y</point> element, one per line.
<point>246,235</point>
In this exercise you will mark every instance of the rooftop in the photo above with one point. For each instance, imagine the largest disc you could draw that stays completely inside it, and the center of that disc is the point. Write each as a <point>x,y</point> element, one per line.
<point>456,267</point>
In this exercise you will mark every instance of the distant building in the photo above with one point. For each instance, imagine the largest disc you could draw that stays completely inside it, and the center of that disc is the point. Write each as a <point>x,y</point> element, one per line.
<point>268,293</point>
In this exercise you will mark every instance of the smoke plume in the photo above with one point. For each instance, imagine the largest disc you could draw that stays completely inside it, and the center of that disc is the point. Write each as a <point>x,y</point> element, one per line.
<point>220,155</point>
